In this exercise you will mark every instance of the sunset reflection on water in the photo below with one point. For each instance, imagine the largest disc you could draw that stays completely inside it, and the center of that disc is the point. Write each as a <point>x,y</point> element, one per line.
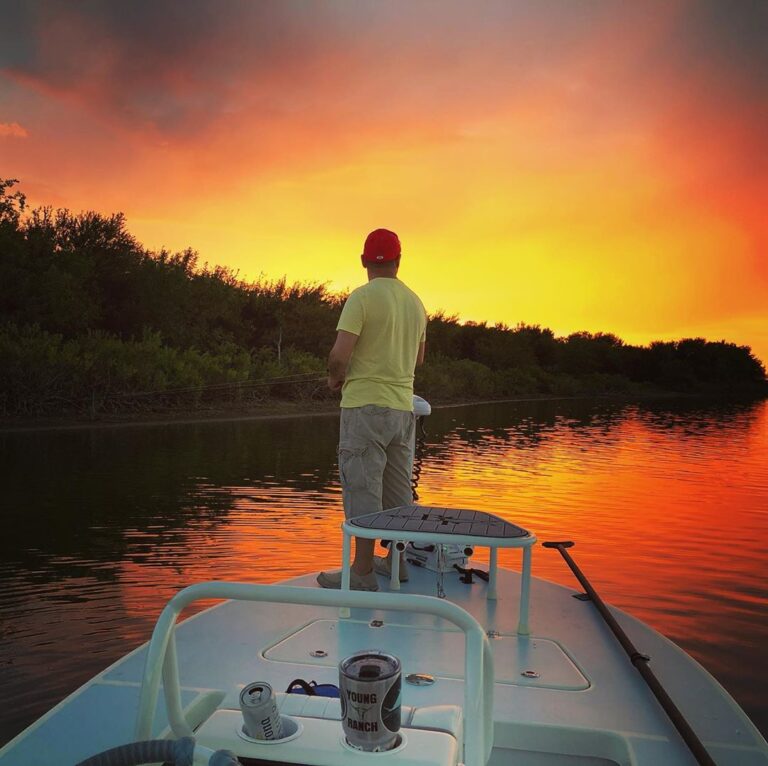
<point>667,505</point>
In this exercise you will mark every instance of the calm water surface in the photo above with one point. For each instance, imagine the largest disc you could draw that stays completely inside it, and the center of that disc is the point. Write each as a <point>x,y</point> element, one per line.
<point>667,504</point>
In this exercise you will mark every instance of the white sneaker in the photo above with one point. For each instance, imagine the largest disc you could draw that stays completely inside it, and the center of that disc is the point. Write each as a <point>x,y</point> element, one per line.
<point>356,581</point>
<point>381,564</point>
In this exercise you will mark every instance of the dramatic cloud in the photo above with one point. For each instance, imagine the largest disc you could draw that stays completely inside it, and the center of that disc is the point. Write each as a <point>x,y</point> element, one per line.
<point>605,162</point>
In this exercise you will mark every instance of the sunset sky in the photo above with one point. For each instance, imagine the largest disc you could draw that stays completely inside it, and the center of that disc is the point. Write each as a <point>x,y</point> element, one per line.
<point>596,166</point>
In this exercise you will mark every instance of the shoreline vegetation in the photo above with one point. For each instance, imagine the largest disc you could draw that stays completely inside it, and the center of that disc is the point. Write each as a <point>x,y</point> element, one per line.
<point>271,410</point>
<point>95,328</point>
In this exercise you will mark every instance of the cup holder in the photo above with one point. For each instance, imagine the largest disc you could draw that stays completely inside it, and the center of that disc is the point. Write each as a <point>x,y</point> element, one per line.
<point>290,726</point>
<point>400,743</point>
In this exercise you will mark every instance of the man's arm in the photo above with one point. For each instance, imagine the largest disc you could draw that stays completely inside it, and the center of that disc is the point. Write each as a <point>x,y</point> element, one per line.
<point>420,355</point>
<point>338,360</point>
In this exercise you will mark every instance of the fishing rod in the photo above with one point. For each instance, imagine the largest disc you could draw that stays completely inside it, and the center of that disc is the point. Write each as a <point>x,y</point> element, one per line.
<point>638,659</point>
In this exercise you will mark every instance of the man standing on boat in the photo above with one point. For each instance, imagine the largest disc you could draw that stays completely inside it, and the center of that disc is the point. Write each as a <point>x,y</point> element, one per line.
<point>380,341</point>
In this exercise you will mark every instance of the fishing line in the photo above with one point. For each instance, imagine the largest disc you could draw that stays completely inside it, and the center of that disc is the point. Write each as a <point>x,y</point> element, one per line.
<point>299,377</point>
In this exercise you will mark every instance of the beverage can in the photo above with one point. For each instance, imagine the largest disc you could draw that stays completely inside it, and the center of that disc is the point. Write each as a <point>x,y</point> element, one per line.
<point>370,690</point>
<point>261,719</point>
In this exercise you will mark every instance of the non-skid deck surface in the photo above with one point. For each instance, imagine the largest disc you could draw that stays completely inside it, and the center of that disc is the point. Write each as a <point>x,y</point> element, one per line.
<point>445,521</point>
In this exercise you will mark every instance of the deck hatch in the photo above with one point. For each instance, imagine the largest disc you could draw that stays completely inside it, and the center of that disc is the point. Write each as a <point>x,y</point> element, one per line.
<point>513,654</point>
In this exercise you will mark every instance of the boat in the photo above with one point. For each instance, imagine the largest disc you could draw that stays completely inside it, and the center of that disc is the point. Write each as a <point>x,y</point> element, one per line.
<point>500,668</point>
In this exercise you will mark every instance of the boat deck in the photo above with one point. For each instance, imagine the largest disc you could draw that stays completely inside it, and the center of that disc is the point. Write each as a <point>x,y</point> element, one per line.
<point>566,695</point>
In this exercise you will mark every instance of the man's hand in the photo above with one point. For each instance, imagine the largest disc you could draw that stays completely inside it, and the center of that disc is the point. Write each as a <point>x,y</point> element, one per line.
<point>339,358</point>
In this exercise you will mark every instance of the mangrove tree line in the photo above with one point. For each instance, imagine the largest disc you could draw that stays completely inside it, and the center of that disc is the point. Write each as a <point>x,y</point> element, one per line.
<point>92,321</point>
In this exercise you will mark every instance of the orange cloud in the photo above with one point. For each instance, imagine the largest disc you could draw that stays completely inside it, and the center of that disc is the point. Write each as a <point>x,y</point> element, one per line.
<point>12,130</point>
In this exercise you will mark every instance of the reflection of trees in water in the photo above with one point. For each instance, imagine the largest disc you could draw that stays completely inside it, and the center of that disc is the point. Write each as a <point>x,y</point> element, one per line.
<point>527,427</point>
<point>107,495</point>
<point>692,418</point>
<point>520,425</point>
<point>110,494</point>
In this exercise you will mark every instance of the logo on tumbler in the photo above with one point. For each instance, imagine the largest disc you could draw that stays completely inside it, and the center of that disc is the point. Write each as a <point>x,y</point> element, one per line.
<point>370,700</point>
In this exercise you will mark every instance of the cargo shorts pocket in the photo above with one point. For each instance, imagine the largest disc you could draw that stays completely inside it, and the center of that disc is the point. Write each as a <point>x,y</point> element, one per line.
<point>352,469</point>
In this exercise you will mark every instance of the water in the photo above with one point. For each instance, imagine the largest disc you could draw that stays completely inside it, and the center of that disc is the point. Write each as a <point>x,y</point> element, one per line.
<point>667,504</point>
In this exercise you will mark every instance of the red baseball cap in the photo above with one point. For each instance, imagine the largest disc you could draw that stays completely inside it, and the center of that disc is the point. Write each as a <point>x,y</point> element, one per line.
<point>381,245</point>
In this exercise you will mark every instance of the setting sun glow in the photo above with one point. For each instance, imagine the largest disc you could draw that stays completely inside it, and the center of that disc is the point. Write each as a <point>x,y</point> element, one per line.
<point>590,166</point>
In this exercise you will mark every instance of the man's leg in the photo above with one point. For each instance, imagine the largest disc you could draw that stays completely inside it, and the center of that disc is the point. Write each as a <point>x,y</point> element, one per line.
<point>363,561</point>
<point>397,486</point>
<point>362,458</point>
<point>362,479</point>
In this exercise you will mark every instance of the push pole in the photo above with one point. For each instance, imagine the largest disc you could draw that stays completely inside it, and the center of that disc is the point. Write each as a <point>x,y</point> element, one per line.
<point>639,660</point>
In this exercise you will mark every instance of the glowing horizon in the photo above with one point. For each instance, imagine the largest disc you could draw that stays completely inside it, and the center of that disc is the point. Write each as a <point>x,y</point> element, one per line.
<point>594,168</point>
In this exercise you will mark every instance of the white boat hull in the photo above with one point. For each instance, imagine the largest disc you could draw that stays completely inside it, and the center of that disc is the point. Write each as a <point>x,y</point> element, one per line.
<point>566,695</point>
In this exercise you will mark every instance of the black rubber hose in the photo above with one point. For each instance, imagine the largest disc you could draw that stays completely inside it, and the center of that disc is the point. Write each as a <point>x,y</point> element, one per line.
<point>179,752</point>
<point>137,753</point>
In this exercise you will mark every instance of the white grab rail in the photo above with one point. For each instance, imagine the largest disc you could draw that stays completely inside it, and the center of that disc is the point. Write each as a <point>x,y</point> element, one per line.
<point>478,662</point>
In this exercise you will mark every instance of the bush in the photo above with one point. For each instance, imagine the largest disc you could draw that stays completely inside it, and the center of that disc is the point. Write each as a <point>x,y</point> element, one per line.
<point>43,373</point>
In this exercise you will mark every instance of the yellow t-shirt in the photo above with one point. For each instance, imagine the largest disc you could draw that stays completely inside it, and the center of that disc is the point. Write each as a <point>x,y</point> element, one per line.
<point>391,322</point>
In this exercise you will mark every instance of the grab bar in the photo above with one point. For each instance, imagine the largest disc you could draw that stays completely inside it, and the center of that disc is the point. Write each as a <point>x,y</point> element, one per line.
<point>161,657</point>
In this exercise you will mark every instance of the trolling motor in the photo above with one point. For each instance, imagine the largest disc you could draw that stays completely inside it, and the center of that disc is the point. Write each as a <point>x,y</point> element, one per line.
<point>421,409</point>
<point>437,558</point>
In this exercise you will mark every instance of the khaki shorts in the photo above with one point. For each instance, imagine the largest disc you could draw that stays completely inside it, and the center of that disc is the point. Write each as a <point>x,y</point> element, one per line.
<point>375,458</point>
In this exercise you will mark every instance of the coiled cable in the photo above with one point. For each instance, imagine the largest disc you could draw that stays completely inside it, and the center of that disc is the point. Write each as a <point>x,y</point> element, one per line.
<point>418,457</point>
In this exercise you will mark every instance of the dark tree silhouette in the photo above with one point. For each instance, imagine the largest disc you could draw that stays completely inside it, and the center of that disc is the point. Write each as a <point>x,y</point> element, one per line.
<point>91,320</point>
